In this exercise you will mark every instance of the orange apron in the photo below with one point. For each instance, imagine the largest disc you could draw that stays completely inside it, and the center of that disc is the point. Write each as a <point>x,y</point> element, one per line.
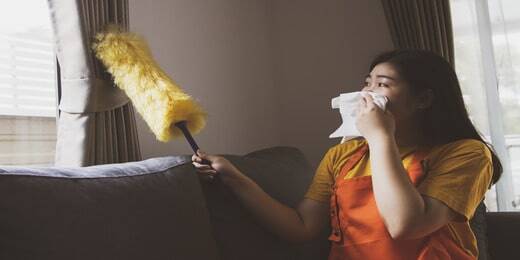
<point>358,231</point>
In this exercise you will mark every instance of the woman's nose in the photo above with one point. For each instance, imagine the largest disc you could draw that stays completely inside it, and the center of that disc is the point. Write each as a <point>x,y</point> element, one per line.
<point>369,87</point>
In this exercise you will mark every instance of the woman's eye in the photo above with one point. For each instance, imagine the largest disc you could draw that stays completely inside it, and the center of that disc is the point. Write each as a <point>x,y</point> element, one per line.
<point>382,85</point>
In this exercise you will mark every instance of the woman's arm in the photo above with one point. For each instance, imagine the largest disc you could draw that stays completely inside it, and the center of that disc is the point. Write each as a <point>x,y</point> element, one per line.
<point>295,225</point>
<point>406,213</point>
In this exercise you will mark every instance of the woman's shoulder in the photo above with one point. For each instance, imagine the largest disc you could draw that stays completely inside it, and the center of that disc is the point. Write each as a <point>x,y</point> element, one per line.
<point>349,145</point>
<point>345,148</point>
<point>461,148</point>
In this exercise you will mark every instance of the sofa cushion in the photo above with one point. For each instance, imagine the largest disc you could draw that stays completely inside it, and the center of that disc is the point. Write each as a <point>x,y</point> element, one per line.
<point>153,209</point>
<point>282,172</point>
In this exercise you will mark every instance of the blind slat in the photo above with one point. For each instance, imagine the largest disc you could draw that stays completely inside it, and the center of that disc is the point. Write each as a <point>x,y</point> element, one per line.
<point>28,63</point>
<point>38,112</point>
<point>17,73</point>
<point>43,83</point>
<point>27,92</point>
<point>25,54</point>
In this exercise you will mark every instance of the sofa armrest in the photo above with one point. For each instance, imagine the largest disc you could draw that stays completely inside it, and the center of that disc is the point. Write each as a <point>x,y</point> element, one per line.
<point>503,233</point>
<point>152,209</point>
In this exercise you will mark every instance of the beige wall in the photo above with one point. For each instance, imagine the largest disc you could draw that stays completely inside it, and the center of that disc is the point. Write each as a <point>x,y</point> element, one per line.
<point>219,52</point>
<point>265,70</point>
<point>322,48</point>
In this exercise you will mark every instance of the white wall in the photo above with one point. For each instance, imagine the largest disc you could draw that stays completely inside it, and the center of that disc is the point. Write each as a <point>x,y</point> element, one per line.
<point>265,70</point>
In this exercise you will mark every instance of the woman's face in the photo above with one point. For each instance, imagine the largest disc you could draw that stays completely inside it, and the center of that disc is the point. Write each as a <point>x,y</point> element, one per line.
<point>385,80</point>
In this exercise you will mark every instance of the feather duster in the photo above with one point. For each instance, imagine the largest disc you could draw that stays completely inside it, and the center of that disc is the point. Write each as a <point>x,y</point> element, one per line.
<point>157,98</point>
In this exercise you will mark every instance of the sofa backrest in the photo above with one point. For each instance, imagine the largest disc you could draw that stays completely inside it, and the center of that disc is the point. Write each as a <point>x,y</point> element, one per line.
<point>153,209</point>
<point>283,173</point>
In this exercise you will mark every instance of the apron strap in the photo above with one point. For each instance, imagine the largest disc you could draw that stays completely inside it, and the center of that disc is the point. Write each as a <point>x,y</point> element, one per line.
<point>351,161</point>
<point>418,167</point>
<point>337,234</point>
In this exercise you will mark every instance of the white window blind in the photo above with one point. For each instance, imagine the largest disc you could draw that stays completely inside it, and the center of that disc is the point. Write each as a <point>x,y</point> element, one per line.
<point>27,74</point>
<point>27,84</point>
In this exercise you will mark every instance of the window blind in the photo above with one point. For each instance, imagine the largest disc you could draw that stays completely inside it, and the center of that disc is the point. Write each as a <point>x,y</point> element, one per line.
<point>27,75</point>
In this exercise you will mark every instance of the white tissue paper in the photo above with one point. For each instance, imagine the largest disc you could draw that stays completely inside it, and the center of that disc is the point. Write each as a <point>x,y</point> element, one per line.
<point>347,104</point>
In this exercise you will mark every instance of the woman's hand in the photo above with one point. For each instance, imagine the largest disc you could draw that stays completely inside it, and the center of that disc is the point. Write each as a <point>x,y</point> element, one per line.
<point>219,166</point>
<point>372,121</point>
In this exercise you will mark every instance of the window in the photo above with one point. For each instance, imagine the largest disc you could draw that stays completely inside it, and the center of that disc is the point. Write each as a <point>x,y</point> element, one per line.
<point>27,84</point>
<point>487,61</point>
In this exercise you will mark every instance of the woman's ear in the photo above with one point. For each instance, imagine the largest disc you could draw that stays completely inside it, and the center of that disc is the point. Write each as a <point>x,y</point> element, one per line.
<point>425,99</point>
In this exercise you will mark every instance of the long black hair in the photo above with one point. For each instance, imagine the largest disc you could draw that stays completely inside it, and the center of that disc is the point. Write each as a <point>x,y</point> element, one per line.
<point>446,119</point>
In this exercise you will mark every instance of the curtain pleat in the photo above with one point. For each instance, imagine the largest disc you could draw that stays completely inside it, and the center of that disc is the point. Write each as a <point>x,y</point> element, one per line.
<point>111,144</point>
<point>97,122</point>
<point>421,24</point>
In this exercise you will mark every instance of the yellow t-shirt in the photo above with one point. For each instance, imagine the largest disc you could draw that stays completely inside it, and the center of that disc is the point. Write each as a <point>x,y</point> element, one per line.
<point>459,174</point>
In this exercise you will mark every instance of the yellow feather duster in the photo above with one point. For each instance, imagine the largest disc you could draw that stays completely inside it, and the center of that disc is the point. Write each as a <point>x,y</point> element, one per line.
<point>157,98</point>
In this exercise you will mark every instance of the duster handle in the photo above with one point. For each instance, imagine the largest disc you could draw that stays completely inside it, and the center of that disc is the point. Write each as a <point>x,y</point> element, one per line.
<point>182,126</point>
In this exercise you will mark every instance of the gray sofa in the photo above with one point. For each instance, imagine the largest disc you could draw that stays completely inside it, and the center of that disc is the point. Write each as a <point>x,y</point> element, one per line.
<point>158,209</point>
<point>152,209</point>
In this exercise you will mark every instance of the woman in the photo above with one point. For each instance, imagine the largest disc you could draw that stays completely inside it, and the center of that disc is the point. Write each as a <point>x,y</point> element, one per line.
<point>407,189</point>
